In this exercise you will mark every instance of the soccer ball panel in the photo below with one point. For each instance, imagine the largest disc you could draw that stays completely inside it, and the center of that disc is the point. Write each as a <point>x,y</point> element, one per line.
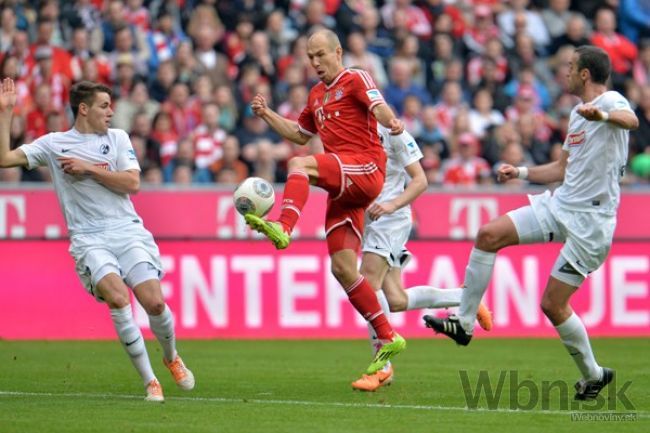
<point>254,195</point>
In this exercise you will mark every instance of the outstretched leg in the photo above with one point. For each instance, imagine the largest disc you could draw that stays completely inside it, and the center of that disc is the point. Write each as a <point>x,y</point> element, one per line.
<point>555,305</point>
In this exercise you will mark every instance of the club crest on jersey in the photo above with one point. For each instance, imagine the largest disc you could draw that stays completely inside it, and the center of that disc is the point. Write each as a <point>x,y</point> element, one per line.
<point>576,139</point>
<point>338,94</point>
<point>104,148</point>
<point>373,94</point>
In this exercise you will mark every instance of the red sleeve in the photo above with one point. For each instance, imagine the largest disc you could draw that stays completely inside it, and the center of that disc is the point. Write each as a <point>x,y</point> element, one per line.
<point>306,122</point>
<point>365,89</point>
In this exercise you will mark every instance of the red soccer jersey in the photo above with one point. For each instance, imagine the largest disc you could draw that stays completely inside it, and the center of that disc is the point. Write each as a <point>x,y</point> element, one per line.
<point>341,114</point>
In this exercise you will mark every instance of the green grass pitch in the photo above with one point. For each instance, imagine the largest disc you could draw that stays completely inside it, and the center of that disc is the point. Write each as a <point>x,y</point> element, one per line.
<point>304,386</point>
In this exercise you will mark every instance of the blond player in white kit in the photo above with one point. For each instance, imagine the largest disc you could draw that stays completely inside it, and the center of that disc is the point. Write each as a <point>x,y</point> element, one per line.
<point>387,229</point>
<point>581,213</point>
<point>94,169</point>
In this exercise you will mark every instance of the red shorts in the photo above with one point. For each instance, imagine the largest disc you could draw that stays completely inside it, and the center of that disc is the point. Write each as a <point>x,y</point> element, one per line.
<point>353,183</point>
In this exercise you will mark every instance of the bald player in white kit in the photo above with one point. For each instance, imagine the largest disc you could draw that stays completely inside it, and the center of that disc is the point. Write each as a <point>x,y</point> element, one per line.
<point>94,169</point>
<point>581,213</point>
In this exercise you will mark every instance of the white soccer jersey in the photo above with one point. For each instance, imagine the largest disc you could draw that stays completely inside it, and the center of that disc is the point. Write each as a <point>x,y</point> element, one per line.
<point>597,159</point>
<point>88,206</point>
<point>401,151</point>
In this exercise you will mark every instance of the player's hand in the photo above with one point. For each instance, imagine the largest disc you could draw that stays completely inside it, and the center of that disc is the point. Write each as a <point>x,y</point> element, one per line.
<point>590,112</point>
<point>396,126</point>
<point>75,167</point>
<point>258,105</point>
<point>378,209</point>
<point>507,172</point>
<point>7,95</point>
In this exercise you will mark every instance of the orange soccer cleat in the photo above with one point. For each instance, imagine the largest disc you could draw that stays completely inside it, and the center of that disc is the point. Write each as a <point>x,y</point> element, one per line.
<point>484,317</point>
<point>370,382</point>
<point>182,375</point>
<point>154,392</point>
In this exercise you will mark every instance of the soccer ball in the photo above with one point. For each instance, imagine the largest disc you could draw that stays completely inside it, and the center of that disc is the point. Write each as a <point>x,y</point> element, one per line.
<point>254,195</point>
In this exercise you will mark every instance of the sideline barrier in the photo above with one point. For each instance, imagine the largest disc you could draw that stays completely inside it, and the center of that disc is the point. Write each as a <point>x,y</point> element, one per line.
<point>243,289</point>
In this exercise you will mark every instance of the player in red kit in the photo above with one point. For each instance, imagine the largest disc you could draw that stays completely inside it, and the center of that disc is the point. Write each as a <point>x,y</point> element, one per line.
<point>343,109</point>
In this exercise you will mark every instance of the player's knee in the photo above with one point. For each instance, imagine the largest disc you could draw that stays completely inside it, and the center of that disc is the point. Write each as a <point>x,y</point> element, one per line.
<point>552,309</point>
<point>488,238</point>
<point>397,304</point>
<point>344,273</point>
<point>296,163</point>
<point>154,307</point>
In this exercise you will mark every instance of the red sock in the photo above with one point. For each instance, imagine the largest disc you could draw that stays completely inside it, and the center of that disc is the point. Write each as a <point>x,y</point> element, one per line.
<point>296,191</point>
<point>363,298</point>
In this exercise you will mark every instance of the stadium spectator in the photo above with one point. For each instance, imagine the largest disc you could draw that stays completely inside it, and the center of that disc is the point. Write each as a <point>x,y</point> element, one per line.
<point>358,55</point>
<point>230,161</point>
<point>7,28</point>
<point>137,101</point>
<point>634,19</point>
<point>620,49</point>
<point>482,115</point>
<point>556,17</point>
<point>577,34</point>
<point>466,168</point>
<point>402,85</point>
<point>207,139</point>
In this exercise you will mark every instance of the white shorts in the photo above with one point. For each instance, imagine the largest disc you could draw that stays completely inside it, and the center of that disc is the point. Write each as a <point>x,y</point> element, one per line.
<point>587,236</point>
<point>98,254</point>
<point>387,237</point>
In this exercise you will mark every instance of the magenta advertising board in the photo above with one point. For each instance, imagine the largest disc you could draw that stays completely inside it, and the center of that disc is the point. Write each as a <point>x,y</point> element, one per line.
<point>208,214</point>
<point>246,289</point>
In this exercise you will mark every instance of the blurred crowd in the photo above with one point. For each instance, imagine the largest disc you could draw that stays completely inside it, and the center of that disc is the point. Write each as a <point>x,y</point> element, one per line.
<point>479,83</point>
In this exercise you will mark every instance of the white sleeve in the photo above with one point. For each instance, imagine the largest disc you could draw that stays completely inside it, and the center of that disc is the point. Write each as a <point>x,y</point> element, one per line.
<point>406,148</point>
<point>614,101</point>
<point>37,152</point>
<point>126,158</point>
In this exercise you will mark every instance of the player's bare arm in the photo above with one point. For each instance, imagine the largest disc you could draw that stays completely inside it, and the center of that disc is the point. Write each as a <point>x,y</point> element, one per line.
<point>285,127</point>
<point>121,182</point>
<point>386,117</point>
<point>624,119</point>
<point>415,187</point>
<point>8,158</point>
<point>542,174</point>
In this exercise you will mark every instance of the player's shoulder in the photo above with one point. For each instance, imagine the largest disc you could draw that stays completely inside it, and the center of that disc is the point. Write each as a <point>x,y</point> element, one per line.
<point>614,100</point>
<point>361,76</point>
<point>116,134</point>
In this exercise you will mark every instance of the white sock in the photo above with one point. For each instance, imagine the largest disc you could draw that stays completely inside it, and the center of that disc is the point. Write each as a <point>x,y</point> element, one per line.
<point>477,277</point>
<point>431,297</point>
<point>574,336</point>
<point>133,342</point>
<point>372,335</point>
<point>162,327</point>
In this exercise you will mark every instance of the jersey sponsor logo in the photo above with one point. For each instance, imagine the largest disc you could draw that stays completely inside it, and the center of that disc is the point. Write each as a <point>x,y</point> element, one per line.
<point>104,148</point>
<point>576,139</point>
<point>373,95</point>
<point>338,94</point>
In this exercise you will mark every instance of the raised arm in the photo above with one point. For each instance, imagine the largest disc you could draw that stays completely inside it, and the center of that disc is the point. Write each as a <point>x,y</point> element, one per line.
<point>16,157</point>
<point>543,174</point>
<point>625,119</point>
<point>283,126</point>
<point>415,187</point>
